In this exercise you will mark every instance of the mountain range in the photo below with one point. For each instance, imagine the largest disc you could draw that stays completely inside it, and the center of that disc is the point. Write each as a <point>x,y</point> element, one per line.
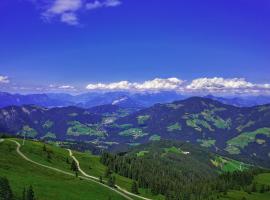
<point>238,132</point>
<point>130,100</point>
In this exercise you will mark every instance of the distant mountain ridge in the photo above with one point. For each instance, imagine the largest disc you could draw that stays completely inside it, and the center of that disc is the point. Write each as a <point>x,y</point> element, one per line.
<point>130,100</point>
<point>229,130</point>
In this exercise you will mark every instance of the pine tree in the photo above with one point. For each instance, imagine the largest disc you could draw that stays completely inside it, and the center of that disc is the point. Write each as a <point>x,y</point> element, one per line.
<point>262,190</point>
<point>30,193</point>
<point>100,179</point>
<point>254,188</point>
<point>107,173</point>
<point>44,148</point>
<point>134,188</point>
<point>24,194</point>
<point>111,181</point>
<point>49,157</point>
<point>74,166</point>
<point>5,190</point>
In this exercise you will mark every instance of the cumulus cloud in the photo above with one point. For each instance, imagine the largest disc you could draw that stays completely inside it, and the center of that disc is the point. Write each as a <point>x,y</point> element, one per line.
<point>155,84</point>
<point>226,86</point>
<point>160,84</point>
<point>4,79</point>
<point>67,11</point>
<point>218,83</point>
<point>99,4</point>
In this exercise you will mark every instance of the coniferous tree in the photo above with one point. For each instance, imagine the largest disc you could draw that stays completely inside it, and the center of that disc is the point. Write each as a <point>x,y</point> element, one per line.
<point>107,173</point>
<point>134,188</point>
<point>111,181</point>
<point>24,194</point>
<point>49,157</point>
<point>262,190</point>
<point>44,148</point>
<point>254,187</point>
<point>100,179</point>
<point>5,189</point>
<point>30,193</point>
<point>74,166</point>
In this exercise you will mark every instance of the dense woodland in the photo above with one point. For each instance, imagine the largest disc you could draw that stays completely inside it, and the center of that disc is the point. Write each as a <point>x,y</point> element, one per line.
<point>163,178</point>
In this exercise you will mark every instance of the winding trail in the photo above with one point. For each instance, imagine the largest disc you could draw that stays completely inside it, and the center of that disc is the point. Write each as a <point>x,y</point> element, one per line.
<point>95,178</point>
<point>64,172</point>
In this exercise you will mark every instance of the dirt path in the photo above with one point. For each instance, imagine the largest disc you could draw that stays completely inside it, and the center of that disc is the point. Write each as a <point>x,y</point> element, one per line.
<point>95,178</point>
<point>64,172</point>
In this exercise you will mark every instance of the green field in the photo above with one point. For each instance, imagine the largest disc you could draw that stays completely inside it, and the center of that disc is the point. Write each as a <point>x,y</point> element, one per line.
<point>241,141</point>
<point>133,132</point>
<point>91,165</point>
<point>259,179</point>
<point>47,184</point>
<point>228,165</point>
<point>174,127</point>
<point>76,129</point>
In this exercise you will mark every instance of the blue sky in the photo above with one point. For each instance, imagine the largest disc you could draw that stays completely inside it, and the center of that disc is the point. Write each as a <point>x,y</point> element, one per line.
<point>80,42</point>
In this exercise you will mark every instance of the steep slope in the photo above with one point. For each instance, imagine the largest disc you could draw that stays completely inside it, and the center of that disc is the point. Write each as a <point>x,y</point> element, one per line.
<point>47,183</point>
<point>55,123</point>
<point>222,128</point>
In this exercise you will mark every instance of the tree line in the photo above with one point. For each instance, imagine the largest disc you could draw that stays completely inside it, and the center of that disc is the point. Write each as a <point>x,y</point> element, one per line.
<point>162,178</point>
<point>6,192</point>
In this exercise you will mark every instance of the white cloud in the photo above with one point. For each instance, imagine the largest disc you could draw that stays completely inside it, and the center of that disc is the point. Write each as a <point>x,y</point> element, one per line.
<point>155,84</point>
<point>4,79</point>
<point>67,11</point>
<point>69,18</point>
<point>99,4</point>
<point>122,85</point>
<point>66,87</point>
<point>218,83</point>
<point>112,3</point>
<point>159,84</point>
<point>94,5</point>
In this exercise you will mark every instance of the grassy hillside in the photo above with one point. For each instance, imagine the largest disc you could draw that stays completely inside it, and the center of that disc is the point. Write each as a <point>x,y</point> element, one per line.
<point>47,184</point>
<point>259,179</point>
<point>91,165</point>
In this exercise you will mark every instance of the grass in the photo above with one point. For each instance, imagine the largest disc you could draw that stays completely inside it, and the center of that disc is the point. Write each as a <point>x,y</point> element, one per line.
<point>48,124</point>
<point>28,132</point>
<point>49,135</point>
<point>142,119</point>
<point>173,149</point>
<point>142,153</point>
<point>154,138</point>
<point>174,127</point>
<point>243,140</point>
<point>76,129</point>
<point>263,178</point>
<point>133,132</point>
<point>47,184</point>
<point>238,195</point>
<point>206,143</point>
<point>228,165</point>
<point>91,165</point>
